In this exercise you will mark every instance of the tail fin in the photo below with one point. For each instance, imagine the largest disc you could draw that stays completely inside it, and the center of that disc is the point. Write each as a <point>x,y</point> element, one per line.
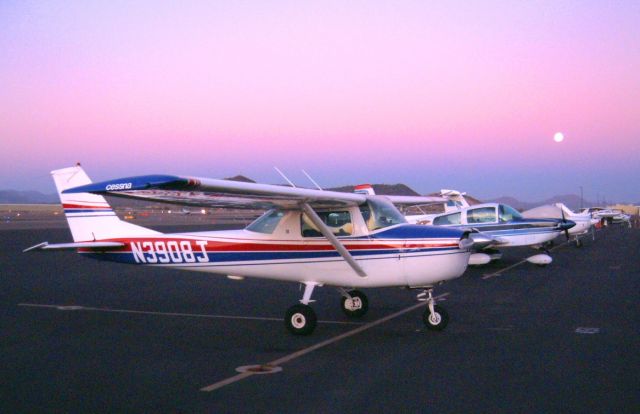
<point>364,189</point>
<point>456,200</point>
<point>90,217</point>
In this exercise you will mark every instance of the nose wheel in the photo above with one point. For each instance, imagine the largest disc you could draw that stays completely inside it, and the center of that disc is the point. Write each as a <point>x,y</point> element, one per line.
<point>435,317</point>
<point>354,303</point>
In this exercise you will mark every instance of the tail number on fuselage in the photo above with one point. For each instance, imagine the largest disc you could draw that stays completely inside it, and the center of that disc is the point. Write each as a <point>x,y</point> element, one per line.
<point>169,252</point>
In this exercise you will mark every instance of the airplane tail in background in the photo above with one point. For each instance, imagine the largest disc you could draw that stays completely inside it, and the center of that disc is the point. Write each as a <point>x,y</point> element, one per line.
<point>456,200</point>
<point>90,217</point>
<point>366,189</point>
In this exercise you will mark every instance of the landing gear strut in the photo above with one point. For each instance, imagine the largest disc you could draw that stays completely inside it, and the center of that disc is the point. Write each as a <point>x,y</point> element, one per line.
<point>434,317</point>
<point>300,319</point>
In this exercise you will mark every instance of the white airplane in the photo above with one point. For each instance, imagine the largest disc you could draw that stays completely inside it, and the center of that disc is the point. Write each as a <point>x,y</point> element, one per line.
<point>607,216</point>
<point>312,237</point>
<point>503,224</point>
<point>584,221</point>
<point>451,199</point>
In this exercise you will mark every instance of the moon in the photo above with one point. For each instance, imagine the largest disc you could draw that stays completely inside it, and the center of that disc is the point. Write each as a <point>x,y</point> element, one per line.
<point>558,137</point>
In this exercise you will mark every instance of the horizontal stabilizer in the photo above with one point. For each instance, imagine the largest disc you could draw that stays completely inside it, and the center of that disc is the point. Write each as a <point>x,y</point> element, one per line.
<point>71,246</point>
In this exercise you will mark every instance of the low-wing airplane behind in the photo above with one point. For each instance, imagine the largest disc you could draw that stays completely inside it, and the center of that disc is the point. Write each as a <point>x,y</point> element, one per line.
<point>507,227</point>
<point>607,216</point>
<point>312,237</point>
<point>499,222</point>
<point>584,221</point>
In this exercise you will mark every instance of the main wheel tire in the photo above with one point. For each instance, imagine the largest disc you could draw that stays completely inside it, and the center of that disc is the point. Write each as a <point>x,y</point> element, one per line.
<point>300,319</point>
<point>356,306</point>
<point>578,243</point>
<point>439,321</point>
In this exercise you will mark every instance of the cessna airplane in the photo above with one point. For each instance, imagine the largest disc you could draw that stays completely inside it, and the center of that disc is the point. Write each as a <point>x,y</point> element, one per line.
<point>312,237</point>
<point>499,222</point>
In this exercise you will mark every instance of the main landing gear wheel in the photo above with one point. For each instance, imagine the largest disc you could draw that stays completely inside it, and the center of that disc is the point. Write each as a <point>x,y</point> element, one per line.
<point>356,305</point>
<point>437,320</point>
<point>300,319</point>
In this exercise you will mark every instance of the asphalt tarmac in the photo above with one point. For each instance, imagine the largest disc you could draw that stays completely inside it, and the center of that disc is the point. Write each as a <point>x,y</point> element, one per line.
<point>85,336</point>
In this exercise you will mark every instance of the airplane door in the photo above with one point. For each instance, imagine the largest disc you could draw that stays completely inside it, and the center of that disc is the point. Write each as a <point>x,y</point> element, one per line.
<point>409,266</point>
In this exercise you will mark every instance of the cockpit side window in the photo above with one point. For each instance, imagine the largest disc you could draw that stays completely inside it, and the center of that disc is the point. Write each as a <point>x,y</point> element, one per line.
<point>481,215</point>
<point>379,213</point>
<point>339,222</point>
<point>267,222</point>
<point>508,213</point>
<point>448,219</point>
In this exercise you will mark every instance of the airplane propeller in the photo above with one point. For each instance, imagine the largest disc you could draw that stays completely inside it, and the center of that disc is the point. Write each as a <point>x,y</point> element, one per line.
<point>564,224</point>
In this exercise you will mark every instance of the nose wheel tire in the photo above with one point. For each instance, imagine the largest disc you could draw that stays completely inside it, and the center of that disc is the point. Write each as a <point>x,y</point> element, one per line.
<point>436,321</point>
<point>355,306</point>
<point>300,319</point>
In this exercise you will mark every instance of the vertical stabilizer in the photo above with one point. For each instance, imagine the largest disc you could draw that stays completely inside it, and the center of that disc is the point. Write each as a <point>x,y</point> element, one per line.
<point>455,202</point>
<point>366,189</point>
<point>90,217</point>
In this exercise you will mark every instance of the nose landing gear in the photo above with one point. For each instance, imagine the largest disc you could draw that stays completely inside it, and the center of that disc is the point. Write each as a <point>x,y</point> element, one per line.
<point>354,303</point>
<point>435,317</point>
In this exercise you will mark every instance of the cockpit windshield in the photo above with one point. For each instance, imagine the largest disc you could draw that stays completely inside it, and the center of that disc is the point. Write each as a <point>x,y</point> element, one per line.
<point>379,213</point>
<point>267,222</point>
<point>508,213</point>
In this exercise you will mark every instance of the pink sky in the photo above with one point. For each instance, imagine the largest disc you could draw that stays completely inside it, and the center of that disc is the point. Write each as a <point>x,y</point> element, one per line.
<point>433,95</point>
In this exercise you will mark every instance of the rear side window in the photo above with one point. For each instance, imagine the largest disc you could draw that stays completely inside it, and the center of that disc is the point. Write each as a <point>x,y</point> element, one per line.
<point>482,215</point>
<point>339,222</point>
<point>447,220</point>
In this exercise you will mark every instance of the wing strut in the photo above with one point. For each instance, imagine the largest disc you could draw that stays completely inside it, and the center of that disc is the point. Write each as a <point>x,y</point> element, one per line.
<point>315,219</point>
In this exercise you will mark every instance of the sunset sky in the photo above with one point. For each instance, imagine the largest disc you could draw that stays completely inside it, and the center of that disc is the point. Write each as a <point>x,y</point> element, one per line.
<point>464,95</point>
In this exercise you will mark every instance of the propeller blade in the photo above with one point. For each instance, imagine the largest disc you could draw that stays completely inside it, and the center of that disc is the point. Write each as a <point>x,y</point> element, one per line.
<point>564,221</point>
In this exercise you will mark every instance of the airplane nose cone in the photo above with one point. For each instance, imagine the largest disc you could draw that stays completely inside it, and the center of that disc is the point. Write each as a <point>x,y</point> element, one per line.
<point>566,224</point>
<point>481,240</point>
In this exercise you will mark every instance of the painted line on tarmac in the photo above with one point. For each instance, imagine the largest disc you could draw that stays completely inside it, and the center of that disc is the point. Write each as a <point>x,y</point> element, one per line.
<point>188,315</point>
<point>317,346</point>
<point>499,272</point>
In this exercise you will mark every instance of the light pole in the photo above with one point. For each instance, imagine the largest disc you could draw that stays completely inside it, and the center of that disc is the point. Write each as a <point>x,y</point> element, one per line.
<point>581,198</point>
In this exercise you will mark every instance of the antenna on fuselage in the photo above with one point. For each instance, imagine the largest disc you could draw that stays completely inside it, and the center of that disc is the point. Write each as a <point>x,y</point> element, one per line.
<point>284,176</point>
<point>312,180</point>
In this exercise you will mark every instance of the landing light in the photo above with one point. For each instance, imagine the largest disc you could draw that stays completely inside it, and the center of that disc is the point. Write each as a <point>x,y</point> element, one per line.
<point>233,277</point>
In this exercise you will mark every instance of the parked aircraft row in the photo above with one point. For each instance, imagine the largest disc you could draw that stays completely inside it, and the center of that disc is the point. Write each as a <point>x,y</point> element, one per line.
<point>503,224</point>
<point>313,237</point>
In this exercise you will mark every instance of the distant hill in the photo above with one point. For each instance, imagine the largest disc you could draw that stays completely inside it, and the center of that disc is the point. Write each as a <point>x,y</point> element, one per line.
<point>27,197</point>
<point>381,189</point>
<point>241,178</point>
<point>570,200</point>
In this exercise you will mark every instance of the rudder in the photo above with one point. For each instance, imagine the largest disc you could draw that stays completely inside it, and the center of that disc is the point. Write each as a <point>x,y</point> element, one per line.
<point>90,217</point>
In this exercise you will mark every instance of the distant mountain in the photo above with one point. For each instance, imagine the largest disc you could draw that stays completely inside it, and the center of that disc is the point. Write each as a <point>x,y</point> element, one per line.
<point>381,189</point>
<point>27,197</point>
<point>570,200</point>
<point>241,178</point>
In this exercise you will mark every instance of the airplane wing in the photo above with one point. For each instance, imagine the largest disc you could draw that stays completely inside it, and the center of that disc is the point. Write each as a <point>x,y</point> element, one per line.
<point>209,192</point>
<point>415,200</point>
